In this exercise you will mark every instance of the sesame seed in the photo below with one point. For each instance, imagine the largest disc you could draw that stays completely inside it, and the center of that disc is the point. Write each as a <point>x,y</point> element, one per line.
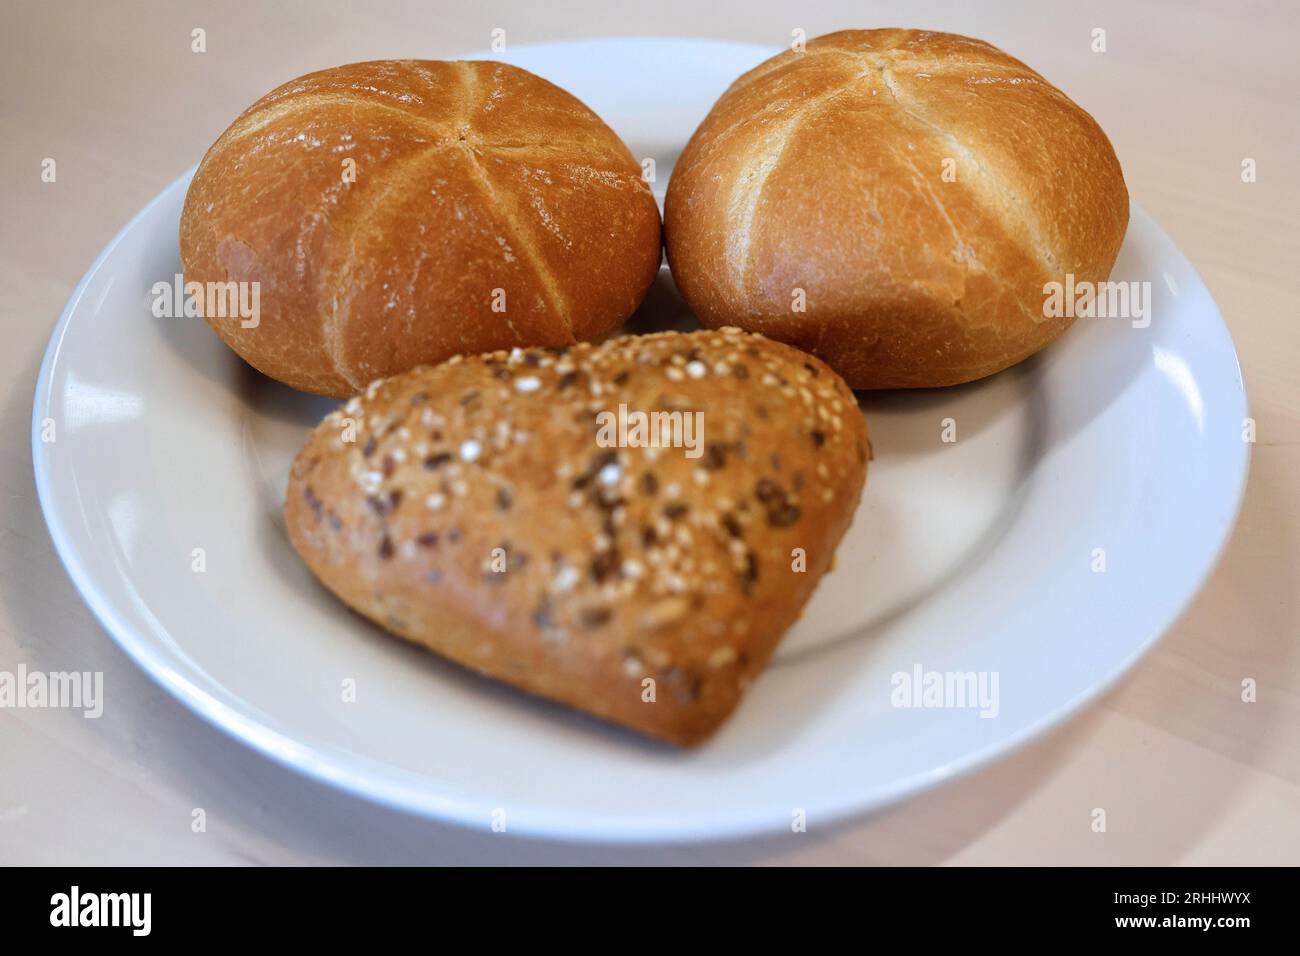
<point>470,450</point>
<point>529,383</point>
<point>435,501</point>
<point>696,369</point>
<point>721,657</point>
<point>566,578</point>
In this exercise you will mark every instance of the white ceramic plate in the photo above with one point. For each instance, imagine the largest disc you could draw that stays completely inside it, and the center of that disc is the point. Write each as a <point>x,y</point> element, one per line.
<point>972,556</point>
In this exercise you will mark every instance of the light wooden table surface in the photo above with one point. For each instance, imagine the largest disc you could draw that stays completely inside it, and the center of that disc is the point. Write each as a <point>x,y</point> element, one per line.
<point>1187,771</point>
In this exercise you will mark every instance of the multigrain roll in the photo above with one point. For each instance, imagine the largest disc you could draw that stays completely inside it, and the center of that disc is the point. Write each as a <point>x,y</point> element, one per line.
<point>505,512</point>
<point>399,212</point>
<point>894,202</point>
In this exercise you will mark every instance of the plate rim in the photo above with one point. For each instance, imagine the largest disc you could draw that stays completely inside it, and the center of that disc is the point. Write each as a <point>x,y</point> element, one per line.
<point>354,776</point>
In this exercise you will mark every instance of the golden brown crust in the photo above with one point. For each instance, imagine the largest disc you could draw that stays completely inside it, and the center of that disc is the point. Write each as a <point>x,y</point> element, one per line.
<point>469,177</point>
<point>616,564</point>
<point>822,171</point>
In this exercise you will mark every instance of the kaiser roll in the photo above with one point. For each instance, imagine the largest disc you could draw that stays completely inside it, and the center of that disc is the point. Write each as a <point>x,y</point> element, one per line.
<point>399,212</point>
<point>894,202</point>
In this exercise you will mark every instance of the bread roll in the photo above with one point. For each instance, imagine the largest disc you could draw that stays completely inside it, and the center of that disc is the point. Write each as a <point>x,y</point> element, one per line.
<point>479,512</point>
<point>402,211</point>
<point>894,201</point>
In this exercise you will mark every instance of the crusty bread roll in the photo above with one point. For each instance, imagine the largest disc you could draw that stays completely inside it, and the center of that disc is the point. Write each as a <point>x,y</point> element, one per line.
<point>812,205</point>
<point>400,212</point>
<point>478,511</point>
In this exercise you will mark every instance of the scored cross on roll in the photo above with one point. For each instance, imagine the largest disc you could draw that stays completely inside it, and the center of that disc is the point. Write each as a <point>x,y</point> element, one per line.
<point>894,202</point>
<point>400,212</point>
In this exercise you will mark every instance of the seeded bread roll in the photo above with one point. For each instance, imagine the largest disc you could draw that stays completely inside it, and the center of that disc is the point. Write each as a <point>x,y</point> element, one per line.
<point>480,512</point>
<point>400,212</point>
<point>894,202</point>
